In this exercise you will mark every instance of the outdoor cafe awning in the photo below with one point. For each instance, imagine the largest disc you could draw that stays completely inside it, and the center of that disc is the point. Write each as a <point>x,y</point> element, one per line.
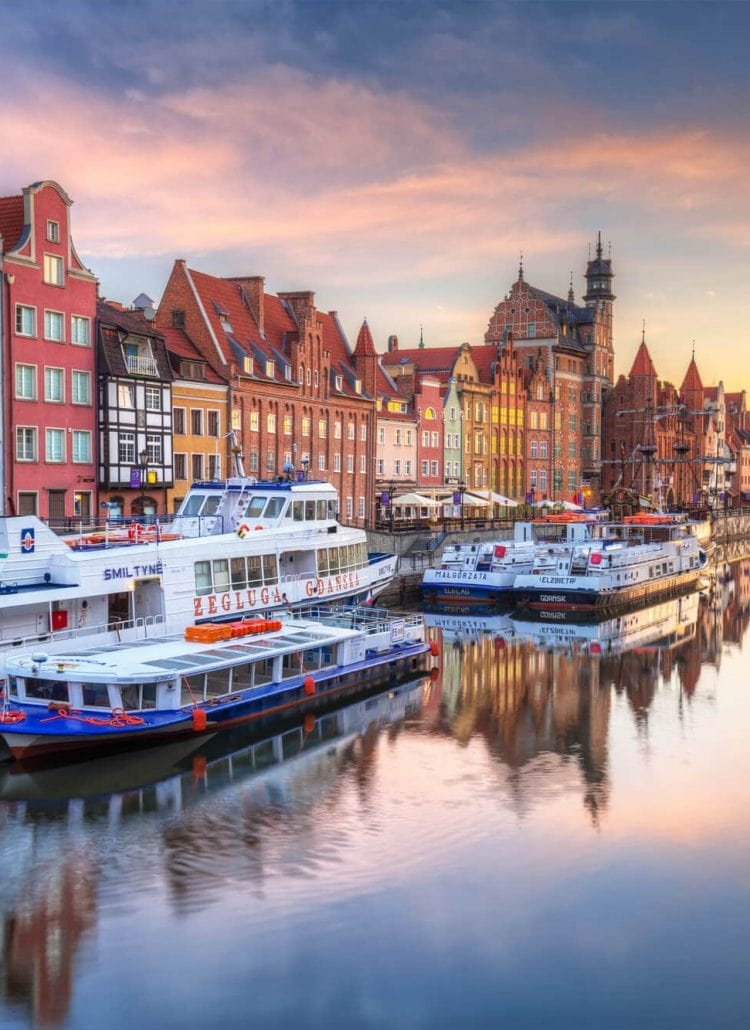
<point>413,500</point>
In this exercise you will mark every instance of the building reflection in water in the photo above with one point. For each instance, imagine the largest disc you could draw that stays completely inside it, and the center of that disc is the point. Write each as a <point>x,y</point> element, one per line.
<point>241,809</point>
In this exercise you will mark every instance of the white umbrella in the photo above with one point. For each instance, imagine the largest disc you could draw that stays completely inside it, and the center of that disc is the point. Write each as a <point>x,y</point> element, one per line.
<point>413,500</point>
<point>508,502</point>
<point>565,505</point>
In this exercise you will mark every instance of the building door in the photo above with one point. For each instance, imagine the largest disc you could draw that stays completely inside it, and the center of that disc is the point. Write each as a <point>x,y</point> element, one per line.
<point>56,504</point>
<point>27,504</point>
<point>148,599</point>
<point>119,608</point>
<point>83,505</point>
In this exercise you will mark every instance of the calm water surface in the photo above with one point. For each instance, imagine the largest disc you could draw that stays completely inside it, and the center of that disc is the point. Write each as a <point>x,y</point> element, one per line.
<point>553,833</point>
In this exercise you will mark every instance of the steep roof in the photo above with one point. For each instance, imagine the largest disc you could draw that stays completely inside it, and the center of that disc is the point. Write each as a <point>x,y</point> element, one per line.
<point>11,221</point>
<point>365,346</point>
<point>642,364</point>
<point>114,326</point>
<point>180,346</point>
<point>438,361</point>
<point>692,381</point>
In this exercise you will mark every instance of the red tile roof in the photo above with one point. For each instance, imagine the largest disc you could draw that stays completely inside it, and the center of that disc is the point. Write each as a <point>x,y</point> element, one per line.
<point>642,364</point>
<point>692,381</point>
<point>365,346</point>
<point>439,361</point>
<point>179,344</point>
<point>11,221</point>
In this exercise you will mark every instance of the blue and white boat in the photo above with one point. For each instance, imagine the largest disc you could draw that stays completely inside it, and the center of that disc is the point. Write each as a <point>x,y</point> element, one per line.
<point>202,680</point>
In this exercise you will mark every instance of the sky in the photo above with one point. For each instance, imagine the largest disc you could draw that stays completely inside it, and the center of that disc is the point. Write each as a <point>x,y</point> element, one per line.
<point>397,158</point>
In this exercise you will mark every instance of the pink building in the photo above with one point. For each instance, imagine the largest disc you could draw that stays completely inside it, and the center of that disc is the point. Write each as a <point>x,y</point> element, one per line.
<point>47,319</point>
<point>429,404</point>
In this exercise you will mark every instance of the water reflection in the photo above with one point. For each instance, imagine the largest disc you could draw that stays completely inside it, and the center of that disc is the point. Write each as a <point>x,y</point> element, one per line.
<point>465,801</point>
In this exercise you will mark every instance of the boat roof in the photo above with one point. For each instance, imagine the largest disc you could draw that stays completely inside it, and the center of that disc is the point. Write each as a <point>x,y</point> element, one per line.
<point>284,485</point>
<point>160,658</point>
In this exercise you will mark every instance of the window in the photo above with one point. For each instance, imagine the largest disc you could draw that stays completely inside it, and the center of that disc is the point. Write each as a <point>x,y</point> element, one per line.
<point>214,466</point>
<point>380,467</point>
<point>54,445</point>
<point>534,449</point>
<point>350,463</point>
<point>196,464</point>
<point>531,332</point>
<point>350,431</point>
<point>287,425</point>
<point>26,382</point>
<point>306,423</point>
<point>153,398</point>
<point>196,421</point>
<point>53,385</point>
<point>178,421</point>
<point>155,446</point>
<point>270,461</point>
<point>178,318</point>
<point>532,479</point>
<point>322,429</point>
<point>397,467</point>
<point>337,463</point>
<point>407,467</point>
<point>271,422</point>
<point>81,446</point>
<point>54,326</point>
<point>53,270</point>
<point>339,382</point>
<point>363,464</point>
<point>337,429</point>
<point>409,437</point>
<point>126,448</point>
<point>25,320</point>
<point>543,449</point>
<point>212,423</point>
<point>180,466</point>
<point>571,448</point>
<point>125,395</point>
<point>80,330</point>
<point>435,439</point>
<point>27,504</point>
<point>361,507</point>
<point>425,468</point>
<point>80,387</point>
<point>254,421</point>
<point>53,231</point>
<point>397,437</point>
<point>349,507</point>
<point>433,468</point>
<point>322,462</point>
<point>253,461</point>
<point>270,369</point>
<point>317,378</point>
<point>381,434</point>
<point>543,480</point>
<point>542,419</point>
<point>26,443</point>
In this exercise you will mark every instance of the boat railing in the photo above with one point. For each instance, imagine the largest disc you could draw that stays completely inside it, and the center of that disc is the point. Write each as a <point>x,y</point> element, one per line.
<point>367,619</point>
<point>141,626</point>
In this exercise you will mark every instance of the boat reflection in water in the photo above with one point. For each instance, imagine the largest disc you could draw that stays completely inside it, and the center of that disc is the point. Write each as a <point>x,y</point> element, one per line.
<point>69,832</point>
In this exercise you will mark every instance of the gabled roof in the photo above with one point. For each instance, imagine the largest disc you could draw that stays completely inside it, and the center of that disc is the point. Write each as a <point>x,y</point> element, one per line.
<point>437,361</point>
<point>365,346</point>
<point>11,221</point>
<point>180,346</point>
<point>642,364</point>
<point>114,326</point>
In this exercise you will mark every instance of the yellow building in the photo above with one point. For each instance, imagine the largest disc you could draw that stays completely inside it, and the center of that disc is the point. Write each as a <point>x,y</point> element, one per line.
<point>201,444</point>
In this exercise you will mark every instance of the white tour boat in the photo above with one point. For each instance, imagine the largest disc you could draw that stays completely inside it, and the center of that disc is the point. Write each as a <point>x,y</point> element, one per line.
<point>235,548</point>
<point>636,562</point>
<point>201,681</point>
<point>487,572</point>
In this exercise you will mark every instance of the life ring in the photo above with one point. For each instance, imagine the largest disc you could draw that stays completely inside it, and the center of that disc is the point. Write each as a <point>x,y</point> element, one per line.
<point>12,715</point>
<point>242,530</point>
<point>260,527</point>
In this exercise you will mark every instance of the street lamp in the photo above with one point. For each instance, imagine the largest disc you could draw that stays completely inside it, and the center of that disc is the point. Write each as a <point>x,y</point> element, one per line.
<point>143,470</point>
<point>462,491</point>
<point>305,467</point>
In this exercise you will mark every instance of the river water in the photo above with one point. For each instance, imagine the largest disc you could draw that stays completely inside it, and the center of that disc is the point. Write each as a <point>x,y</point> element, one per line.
<point>555,832</point>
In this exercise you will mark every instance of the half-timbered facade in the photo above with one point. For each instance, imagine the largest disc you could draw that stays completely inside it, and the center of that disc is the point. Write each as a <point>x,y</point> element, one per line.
<point>135,413</point>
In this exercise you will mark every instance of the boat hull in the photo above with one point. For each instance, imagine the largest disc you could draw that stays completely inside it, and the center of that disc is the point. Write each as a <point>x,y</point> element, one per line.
<point>563,598</point>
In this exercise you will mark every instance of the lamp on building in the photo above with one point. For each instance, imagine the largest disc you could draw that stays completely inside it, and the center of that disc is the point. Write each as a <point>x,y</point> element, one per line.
<point>143,470</point>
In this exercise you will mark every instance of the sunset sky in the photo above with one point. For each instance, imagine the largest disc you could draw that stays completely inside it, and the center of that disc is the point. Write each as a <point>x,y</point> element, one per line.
<point>396,158</point>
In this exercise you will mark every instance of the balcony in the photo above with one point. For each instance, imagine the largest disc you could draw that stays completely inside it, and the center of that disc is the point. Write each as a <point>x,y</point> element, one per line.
<point>139,366</point>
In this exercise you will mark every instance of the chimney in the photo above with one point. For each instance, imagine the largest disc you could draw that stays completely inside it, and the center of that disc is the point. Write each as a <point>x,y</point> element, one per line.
<point>253,287</point>
<point>392,343</point>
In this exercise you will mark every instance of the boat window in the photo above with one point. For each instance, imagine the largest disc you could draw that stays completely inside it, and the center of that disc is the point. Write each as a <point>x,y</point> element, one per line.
<point>309,511</point>
<point>289,514</point>
<point>193,504</point>
<point>342,558</point>
<point>47,690</point>
<point>217,683</point>
<point>270,569</point>
<point>299,511</point>
<point>292,665</point>
<point>255,508</point>
<point>212,504</point>
<point>221,575</point>
<point>192,689</point>
<point>331,509</point>
<point>148,695</point>
<point>323,561</point>
<point>95,695</point>
<point>275,507</point>
<point>203,577</point>
<point>333,560</point>
<point>14,684</point>
<point>254,577</point>
<point>239,574</point>
<point>321,507</point>
<point>137,696</point>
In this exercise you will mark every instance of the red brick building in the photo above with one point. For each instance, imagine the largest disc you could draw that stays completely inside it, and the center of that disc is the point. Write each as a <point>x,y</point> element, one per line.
<point>576,345</point>
<point>299,396</point>
<point>47,315</point>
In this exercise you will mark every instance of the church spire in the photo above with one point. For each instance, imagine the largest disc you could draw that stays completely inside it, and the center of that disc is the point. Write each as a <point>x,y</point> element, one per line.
<point>571,295</point>
<point>520,269</point>
<point>599,276</point>
<point>421,339</point>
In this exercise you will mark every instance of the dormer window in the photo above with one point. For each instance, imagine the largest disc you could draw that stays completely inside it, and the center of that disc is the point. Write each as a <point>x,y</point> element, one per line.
<point>53,231</point>
<point>178,318</point>
<point>270,369</point>
<point>247,365</point>
<point>358,386</point>
<point>339,381</point>
<point>226,325</point>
